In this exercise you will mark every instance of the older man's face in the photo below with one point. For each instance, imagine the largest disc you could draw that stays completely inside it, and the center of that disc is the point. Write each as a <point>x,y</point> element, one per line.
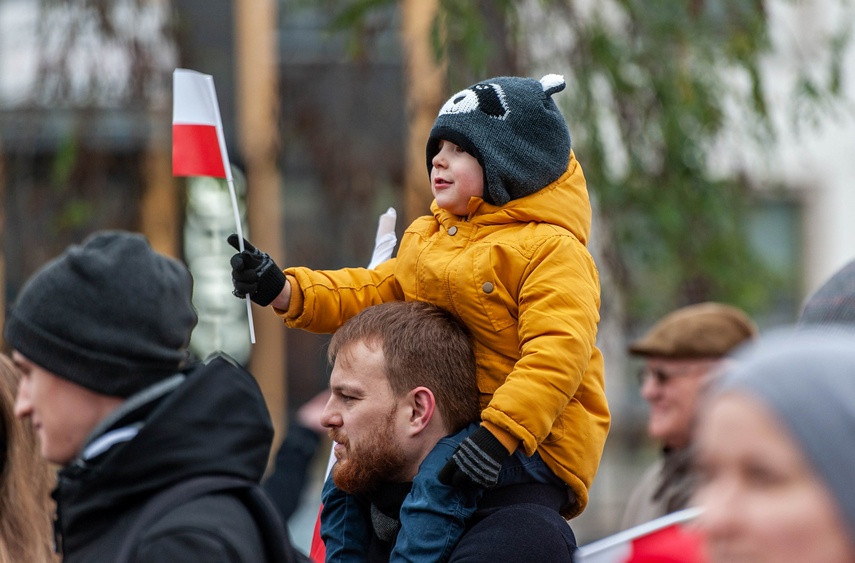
<point>365,421</point>
<point>672,388</point>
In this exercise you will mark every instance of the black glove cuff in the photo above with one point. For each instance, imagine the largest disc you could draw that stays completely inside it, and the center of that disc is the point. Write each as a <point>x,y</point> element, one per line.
<point>489,444</point>
<point>270,284</point>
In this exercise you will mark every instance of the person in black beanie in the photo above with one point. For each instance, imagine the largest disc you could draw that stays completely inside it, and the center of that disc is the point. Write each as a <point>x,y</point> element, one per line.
<point>100,334</point>
<point>504,250</point>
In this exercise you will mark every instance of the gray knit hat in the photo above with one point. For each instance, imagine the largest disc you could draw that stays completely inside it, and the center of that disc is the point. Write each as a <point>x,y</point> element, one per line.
<point>834,302</point>
<point>110,315</point>
<point>807,379</point>
<point>514,129</point>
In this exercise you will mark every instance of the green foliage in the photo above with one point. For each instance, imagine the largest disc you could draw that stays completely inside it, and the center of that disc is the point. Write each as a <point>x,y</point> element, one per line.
<point>358,20</point>
<point>651,87</point>
<point>465,36</point>
<point>64,162</point>
<point>648,93</point>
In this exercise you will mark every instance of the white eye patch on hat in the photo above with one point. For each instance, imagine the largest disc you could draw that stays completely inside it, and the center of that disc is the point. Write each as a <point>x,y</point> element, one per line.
<point>489,98</point>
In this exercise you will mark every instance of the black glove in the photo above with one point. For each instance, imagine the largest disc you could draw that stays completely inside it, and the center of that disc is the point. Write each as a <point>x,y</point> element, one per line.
<point>255,274</point>
<point>477,460</point>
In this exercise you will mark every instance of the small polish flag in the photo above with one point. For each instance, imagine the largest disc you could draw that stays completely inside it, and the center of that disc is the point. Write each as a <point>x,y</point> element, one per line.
<point>663,540</point>
<point>198,144</point>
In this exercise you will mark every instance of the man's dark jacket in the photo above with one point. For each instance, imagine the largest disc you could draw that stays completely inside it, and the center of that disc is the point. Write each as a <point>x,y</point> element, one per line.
<point>513,524</point>
<point>214,421</point>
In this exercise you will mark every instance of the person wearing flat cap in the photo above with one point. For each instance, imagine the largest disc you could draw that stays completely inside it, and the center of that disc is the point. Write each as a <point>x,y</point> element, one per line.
<point>681,353</point>
<point>100,335</point>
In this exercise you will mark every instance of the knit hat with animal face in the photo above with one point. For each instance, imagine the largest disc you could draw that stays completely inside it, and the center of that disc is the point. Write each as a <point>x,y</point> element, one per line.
<point>514,129</point>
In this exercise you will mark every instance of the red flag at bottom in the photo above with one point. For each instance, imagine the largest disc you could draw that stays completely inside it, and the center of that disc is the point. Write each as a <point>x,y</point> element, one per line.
<point>196,151</point>
<point>318,551</point>
<point>663,540</point>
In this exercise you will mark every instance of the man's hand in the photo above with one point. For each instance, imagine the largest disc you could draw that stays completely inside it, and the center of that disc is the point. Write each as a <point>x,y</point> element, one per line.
<point>477,460</point>
<point>255,274</point>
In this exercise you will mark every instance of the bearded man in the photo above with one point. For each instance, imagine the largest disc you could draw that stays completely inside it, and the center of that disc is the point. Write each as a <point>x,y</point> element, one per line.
<point>403,392</point>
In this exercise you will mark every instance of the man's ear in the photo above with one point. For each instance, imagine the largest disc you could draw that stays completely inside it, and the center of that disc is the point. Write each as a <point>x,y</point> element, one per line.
<point>423,405</point>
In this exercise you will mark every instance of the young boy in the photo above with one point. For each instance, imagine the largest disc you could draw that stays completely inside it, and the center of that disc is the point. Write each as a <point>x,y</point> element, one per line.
<point>504,250</point>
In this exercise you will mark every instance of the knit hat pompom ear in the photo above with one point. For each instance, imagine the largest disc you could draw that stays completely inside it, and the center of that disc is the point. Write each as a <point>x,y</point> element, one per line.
<point>552,83</point>
<point>514,129</point>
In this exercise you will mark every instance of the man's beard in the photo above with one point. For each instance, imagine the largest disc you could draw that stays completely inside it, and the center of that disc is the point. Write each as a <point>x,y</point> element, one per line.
<point>373,462</point>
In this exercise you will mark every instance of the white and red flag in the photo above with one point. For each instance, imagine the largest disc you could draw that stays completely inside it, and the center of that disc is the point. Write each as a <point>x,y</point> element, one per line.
<point>198,142</point>
<point>664,540</point>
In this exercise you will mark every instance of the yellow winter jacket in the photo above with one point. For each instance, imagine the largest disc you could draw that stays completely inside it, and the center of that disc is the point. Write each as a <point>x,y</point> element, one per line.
<point>521,278</point>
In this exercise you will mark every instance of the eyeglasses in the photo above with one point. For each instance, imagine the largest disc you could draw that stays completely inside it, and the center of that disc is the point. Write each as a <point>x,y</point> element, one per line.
<point>663,376</point>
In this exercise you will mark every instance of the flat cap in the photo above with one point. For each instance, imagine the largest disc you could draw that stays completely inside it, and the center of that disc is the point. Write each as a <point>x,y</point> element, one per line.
<point>704,330</point>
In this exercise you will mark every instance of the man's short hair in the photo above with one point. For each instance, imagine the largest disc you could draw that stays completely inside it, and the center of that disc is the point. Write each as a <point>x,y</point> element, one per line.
<point>423,345</point>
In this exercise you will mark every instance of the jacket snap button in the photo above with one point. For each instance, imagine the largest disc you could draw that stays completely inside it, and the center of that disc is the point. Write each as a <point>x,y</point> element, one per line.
<point>487,287</point>
<point>452,230</point>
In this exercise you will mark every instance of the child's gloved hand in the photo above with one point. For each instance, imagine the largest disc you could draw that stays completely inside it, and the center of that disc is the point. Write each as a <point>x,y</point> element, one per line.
<point>255,274</point>
<point>477,460</point>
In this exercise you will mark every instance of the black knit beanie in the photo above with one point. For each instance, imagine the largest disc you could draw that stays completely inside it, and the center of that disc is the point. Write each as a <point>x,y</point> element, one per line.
<point>834,302</point>
<point>110,315</point>
<point>514,129</point>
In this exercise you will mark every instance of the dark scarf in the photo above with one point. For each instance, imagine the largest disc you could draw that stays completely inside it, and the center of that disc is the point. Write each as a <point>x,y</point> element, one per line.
<point>677,481</point>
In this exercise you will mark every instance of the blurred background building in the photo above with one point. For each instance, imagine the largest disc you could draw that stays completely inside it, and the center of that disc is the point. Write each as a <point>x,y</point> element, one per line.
<point>717,140</point>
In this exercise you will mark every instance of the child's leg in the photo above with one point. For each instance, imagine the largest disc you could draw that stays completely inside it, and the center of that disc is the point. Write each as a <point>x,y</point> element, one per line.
<point>434,515</point>
<point>520,469</point>
<point>345,525</point>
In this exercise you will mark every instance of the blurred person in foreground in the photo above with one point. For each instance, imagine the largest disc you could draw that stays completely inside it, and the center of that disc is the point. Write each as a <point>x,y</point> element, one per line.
<point>403,388</point>
<point>775,452</point>
<point>100,335</point>
<point>682,353</point>
<point>25,504</point>
<point>833,304</point>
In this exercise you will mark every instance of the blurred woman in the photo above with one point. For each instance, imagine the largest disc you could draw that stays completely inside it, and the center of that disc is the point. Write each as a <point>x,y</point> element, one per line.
<point>776,452</point>
<point>25,482</point>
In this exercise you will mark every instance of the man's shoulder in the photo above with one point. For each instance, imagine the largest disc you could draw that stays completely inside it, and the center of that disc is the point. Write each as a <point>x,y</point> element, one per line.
<point>641,505</point>
<point>517,532</point>
<point>217,522</point>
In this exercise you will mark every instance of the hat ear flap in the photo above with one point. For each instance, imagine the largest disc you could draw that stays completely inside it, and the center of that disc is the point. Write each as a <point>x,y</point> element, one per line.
<point>552,83</point>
